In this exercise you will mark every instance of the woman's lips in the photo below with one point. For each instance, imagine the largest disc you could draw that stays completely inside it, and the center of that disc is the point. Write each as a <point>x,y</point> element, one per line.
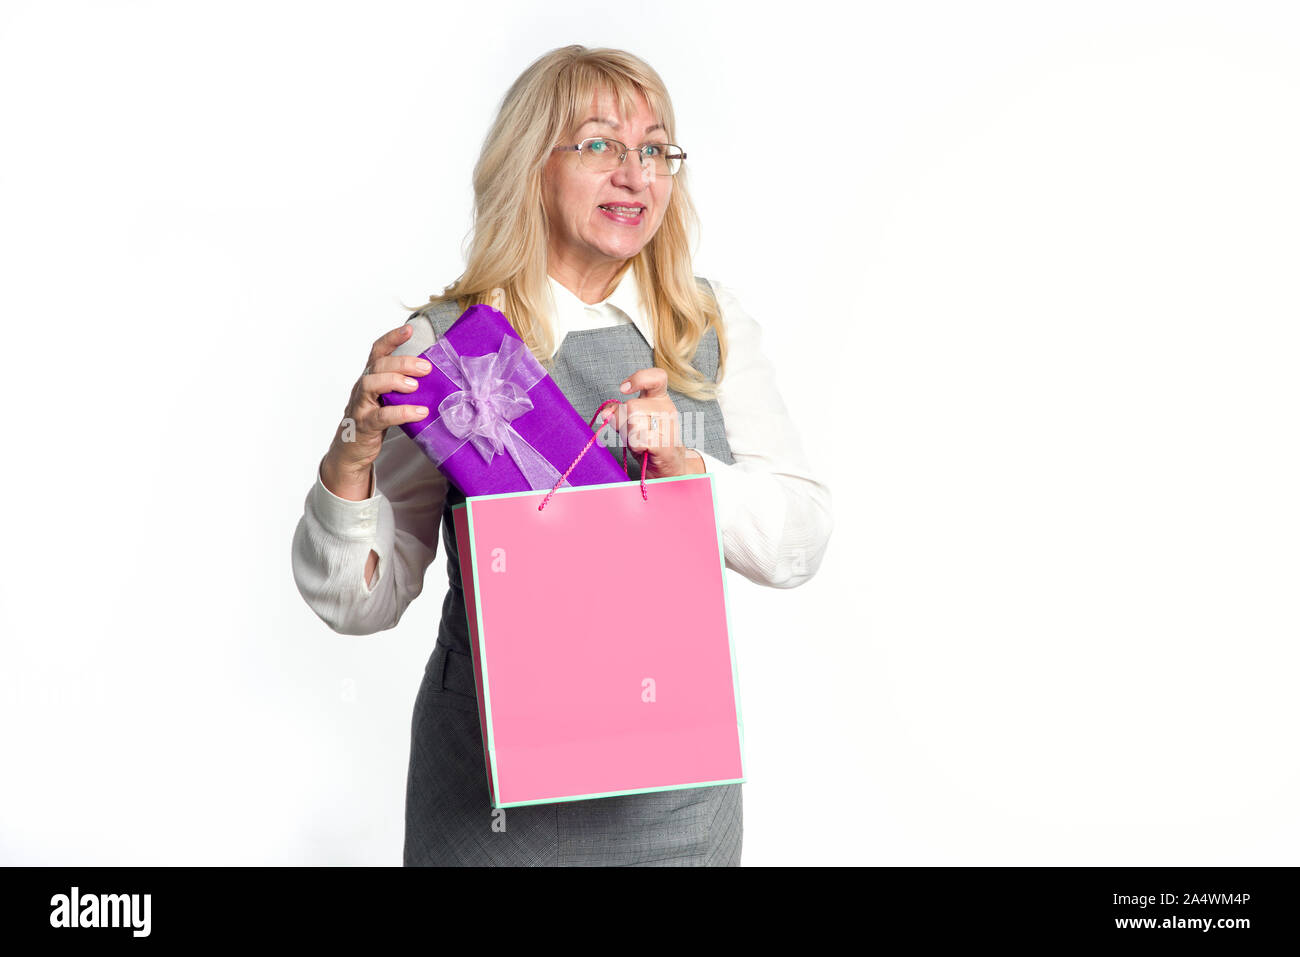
<point>623,218</point>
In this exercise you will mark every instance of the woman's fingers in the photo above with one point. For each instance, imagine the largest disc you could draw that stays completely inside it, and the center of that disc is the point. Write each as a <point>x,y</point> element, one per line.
<point>645,424</point>
<point>382,417</point>
<point>390,340</point>
<point>360,435</point>
<point>385,373</point>
<point>377,383</point>
<point>650,424</point>
<point>372,415</point>
<point>408,365</point>
<point>652,383</point>
<point>637,417</point>
<point>651,430</point>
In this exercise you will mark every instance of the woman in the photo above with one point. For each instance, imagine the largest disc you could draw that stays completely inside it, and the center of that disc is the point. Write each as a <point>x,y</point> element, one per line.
<point>581,239</point>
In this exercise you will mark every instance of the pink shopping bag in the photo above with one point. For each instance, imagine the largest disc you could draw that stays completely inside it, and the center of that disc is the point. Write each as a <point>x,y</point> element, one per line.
<point>598,630</point>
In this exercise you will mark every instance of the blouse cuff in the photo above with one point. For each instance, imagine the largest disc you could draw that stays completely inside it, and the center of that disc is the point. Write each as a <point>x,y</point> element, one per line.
<point>725,494</point>
<point>345,518</point>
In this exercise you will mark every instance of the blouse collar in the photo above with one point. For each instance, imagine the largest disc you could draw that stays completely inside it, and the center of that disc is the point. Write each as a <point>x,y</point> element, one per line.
<point>570,311</point>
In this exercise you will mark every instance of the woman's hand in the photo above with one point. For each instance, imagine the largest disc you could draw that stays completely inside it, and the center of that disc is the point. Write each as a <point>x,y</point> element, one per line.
<point>345,470</point>
<point>650,423</point>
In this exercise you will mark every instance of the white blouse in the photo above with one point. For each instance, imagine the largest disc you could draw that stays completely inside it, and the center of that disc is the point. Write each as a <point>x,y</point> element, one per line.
<point>773,513</point>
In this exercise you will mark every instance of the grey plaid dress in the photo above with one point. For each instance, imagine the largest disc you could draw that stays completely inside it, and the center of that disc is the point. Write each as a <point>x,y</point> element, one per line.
<point>449,816</point>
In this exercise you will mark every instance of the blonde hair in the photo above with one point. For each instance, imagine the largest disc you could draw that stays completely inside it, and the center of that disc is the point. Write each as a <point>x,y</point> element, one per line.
<point>506,260</point>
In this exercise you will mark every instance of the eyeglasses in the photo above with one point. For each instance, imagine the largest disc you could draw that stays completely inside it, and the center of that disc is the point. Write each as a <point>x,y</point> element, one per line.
<point>603,154</point>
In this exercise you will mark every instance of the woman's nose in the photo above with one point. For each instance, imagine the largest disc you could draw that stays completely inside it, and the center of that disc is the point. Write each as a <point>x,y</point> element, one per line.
<point>633,172</point>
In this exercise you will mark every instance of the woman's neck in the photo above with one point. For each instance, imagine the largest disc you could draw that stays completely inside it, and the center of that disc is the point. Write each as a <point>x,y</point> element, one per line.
<point>591,285</point>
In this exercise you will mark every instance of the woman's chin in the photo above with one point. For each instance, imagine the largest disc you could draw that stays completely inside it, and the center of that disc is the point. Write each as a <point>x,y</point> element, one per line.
<point>625,249</point>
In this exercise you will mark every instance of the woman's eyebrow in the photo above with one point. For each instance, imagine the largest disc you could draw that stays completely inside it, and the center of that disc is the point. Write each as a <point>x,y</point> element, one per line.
<point>614,123</point>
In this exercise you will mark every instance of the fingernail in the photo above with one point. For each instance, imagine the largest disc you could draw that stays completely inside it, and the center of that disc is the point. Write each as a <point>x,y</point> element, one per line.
<point>409,381</point>
<point>624,387</point>
<point>421,411</point>
<point>424,365</point>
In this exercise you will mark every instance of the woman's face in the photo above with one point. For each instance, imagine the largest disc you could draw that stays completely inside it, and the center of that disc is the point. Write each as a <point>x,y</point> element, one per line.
<point>585,235</point>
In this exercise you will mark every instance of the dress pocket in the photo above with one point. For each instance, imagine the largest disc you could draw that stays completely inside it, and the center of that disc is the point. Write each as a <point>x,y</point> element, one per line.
<point>449,681</point>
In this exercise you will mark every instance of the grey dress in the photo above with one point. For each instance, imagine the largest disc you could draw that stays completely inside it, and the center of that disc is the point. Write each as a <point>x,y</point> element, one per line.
<point>449,816</point>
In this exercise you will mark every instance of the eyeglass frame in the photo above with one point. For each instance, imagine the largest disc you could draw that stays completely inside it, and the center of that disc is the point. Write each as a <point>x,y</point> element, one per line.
<point>622,156</point>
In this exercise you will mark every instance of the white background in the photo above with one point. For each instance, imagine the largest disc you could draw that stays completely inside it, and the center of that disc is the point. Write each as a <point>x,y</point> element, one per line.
<point>1027,271</point>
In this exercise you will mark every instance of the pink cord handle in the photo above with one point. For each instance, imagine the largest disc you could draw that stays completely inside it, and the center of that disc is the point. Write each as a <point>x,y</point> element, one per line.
<point>591,441</point>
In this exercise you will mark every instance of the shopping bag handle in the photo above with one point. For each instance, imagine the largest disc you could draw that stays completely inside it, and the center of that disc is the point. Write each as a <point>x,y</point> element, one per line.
<point>591,441</point>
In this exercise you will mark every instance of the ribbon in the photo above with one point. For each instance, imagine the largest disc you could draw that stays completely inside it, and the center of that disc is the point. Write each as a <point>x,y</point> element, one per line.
<point>493,391</point>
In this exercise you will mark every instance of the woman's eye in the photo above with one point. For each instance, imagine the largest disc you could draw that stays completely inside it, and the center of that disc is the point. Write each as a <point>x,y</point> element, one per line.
<point>653,150</point>
<point>598,146</point>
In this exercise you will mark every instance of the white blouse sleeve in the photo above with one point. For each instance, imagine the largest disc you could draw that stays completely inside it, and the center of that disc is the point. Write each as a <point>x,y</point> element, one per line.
<point>400,521</point>
<point>773,512</point>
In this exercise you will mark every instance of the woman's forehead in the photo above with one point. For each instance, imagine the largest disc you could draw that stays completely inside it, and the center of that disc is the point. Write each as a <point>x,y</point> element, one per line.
<point>605,110</point>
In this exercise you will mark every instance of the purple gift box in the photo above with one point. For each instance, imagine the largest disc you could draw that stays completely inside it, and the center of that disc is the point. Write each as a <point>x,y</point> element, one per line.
<point>497,422</point>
